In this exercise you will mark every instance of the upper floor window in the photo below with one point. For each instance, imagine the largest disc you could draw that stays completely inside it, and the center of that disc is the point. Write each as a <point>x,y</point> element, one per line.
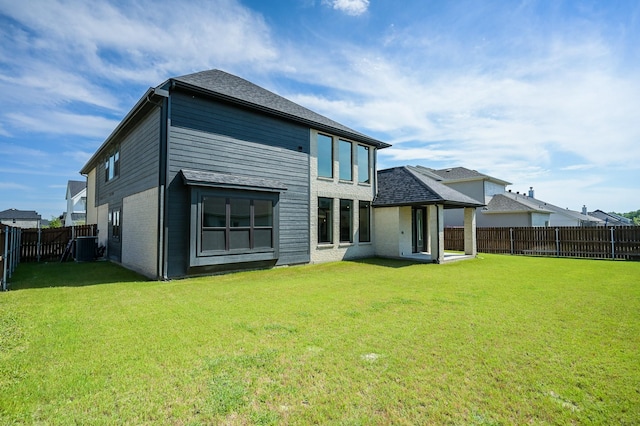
<point>364,174</point>
<point>112,166</point>
<point>325,155</point>
<point>345,158</point>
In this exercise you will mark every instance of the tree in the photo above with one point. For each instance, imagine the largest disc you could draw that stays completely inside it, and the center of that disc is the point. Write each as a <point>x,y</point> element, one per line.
<point>55,222</point>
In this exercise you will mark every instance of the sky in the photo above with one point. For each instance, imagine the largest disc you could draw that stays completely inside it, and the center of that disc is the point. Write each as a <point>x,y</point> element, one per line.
<point>542,94</point>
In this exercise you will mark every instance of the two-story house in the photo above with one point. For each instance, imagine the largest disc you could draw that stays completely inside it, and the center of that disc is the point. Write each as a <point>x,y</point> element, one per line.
<point>76,197</point>
<point>209,172</point>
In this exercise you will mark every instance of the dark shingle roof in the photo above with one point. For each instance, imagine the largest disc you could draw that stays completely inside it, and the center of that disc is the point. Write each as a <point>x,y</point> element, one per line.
<point>404,186</point>
<point>76,186</point>
<point>228,87</point>
<point>19,214</point>
<point>239,90</point>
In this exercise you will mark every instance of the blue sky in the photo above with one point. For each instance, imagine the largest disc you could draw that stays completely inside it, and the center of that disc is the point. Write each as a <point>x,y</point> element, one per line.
<point>537,93</point>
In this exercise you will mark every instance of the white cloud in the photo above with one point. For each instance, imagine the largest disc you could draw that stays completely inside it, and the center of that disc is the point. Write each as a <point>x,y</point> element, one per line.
<point>350,7</point>
<point>13,185</point>
<point>142,42</point>
<point>59,122</point>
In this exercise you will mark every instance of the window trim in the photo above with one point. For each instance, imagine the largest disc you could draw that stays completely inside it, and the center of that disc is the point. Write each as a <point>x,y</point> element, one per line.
<point>330,220</point>
<point>340,163</point>
<point>348,204</point>
<point>360,217</point>
<point>115,220</point>
<point>368,153</point>
<point>200,257</point>
<point>333,155</point>
<point>112,165</point>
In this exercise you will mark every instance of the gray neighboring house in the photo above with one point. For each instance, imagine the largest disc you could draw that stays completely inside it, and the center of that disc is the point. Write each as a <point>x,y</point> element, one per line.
<point>20,218</point>
<point>209,172</point>
<point>609,219</point>
<point>76,197</point>
<point>504,208</point>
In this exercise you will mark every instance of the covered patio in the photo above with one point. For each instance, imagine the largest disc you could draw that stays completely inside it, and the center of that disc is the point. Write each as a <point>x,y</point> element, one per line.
<point>408,215</point>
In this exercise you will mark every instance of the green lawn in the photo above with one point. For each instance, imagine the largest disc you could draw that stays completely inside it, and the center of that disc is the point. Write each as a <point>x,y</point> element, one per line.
<point>495,340</point>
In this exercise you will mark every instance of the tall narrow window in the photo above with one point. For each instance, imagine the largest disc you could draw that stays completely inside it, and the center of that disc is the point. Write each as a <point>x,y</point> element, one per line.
<point>325,156</point>
<point>112,166</point>
<point>115,223</point>
<point>346,221</point>
<point>325,220</point>
<point>345,158</point>
<point>364,226</point>
<point>363,164</point>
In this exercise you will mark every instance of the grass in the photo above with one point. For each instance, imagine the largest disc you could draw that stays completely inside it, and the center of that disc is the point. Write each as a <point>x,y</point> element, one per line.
<point>496,340</point>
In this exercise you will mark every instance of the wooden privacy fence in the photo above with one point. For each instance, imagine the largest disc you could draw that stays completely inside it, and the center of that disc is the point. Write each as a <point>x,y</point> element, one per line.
<point>50,243</point>
<point>567,241</point>
<point>9,253</point>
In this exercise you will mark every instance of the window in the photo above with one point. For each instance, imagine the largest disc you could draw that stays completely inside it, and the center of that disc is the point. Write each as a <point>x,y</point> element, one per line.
<point>325,220</point>
<point>112,166</point>
<point>346,221</point>
<point>236,224</point>
<point>363,164</point>
<point>325,156</point>
<point>365,222</point>
<point>114,217</point>
<point>345,160</point>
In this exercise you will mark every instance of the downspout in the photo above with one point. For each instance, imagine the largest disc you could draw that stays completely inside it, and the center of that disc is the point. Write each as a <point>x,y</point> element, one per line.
<point>162,246</point>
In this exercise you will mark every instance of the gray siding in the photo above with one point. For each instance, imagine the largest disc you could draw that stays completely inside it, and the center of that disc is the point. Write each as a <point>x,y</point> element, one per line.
<point>212,136</point>
<point>139,156</point>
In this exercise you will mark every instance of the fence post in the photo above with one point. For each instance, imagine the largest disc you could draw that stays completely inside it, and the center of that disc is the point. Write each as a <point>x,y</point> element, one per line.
<point>38,250</point>
<point>613,244</point>
<point>511,238</point>
<point>557,242</point>
<point>4,258</point>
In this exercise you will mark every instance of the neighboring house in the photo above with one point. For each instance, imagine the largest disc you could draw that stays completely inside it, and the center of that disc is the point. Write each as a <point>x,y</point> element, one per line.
<point>514,210</point>
<point>504,208</point>
<point>76,197</point>
<point>20,218</point>
<point>610,219</point>
<point>500,207</point>
<point>209,172</point>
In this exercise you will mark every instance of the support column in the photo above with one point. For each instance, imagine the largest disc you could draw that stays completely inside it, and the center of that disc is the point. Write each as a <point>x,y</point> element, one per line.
<point>470,242</point>
<point>436,233</point>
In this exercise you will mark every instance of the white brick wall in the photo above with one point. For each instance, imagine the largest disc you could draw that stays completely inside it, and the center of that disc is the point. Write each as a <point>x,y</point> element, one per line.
<point>335,189</point>
<point>393,231</point>
<point>140,232</point>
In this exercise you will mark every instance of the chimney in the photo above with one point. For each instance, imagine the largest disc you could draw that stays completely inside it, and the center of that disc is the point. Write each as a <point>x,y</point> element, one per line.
<point>584,210</point>
<point>531,192</point>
